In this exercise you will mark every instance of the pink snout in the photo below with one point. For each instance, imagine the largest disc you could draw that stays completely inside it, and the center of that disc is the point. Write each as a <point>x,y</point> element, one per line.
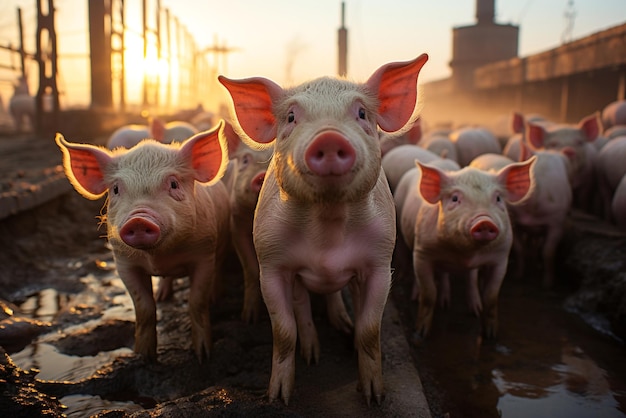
<point>484,231</point>
<point>140,233</point>
<point>330,154</point>
<point>257,182</point>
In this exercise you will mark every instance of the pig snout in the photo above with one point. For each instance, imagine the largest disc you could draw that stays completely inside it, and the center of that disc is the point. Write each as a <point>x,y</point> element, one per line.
<point>330,154</point>
<point>140,232</point>
<point>257,182</point>
<point>483,230</point>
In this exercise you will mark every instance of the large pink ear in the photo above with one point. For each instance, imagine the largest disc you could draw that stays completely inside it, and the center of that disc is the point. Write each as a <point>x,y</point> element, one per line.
<point>430,183</point>
<point>535,135</point>
<point>253,100</point>
<point>591,126</point>
<point>396,85</point>
<point>517,179</point>
<point>208,153</point>
<point>84,167</point>
<point>517,122</point>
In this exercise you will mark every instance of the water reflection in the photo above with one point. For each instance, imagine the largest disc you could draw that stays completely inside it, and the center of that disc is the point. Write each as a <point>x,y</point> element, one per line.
<point>546,362</point>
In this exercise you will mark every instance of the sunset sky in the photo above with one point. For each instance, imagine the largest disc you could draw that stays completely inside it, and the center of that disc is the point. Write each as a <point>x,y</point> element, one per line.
<point>272,36</point>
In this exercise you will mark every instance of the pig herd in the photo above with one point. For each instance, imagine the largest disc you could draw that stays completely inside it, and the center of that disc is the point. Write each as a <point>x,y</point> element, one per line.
<point>318,187</point>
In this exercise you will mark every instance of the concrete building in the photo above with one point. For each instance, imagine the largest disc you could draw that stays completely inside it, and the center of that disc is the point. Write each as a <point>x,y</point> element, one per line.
<point>481,43</point>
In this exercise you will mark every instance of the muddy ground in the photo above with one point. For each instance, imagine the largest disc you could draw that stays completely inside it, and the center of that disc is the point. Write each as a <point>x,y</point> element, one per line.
<point>58,244</point>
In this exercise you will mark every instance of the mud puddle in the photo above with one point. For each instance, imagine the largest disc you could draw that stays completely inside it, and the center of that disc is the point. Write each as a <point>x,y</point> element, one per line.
<point>546,361</point>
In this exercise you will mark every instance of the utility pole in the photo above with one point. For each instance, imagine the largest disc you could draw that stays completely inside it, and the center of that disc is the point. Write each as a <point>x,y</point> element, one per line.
<point>570,15</point>
<point>47,58</point>
<point>342,69</point>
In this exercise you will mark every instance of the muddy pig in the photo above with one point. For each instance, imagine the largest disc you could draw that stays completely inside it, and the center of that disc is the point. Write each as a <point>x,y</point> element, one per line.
<point>325,217</point>
<point>167,215</point>
<point>457,223</point>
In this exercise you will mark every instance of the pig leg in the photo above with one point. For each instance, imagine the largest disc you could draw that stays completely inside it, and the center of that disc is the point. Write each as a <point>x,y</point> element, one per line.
<point>165,290</point>
<point>492,283</point>
<point>309,343</point>
<point>369,296</point>
<point>139,286</point>
<point>553,237</point>
<point>427,298</point>
<point>474,302</point>
<point>278,296</point>
<point>200,294</point>
<point>444,290</point>
<point>242,241</point>
<point>337,314</point>
<point>518,252</point>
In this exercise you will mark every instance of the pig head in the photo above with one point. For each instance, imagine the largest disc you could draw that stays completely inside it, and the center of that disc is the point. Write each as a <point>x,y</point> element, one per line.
<point>325,217</point>
<point>167,215</point>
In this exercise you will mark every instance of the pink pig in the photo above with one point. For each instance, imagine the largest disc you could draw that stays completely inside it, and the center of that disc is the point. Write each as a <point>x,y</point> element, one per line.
<point>130,135</point>
<point>576,141</point>
<point>325,217</point>
<point>167,215</point>
<point>457,222</point>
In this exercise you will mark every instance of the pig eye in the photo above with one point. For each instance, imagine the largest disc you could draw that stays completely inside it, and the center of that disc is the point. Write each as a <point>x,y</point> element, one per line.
<point>174,184</point>
<point>455,198</point>
<point>116,189</point>
<point>291,117</point>
<point>361,113</point>
<point>498,199</point>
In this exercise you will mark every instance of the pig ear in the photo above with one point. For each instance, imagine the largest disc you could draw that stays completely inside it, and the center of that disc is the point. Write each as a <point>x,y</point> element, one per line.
<point>517,179</point>
<point>208,153</point>
<point>430,183</point>
<point>232,139</point>
<point>84,165</point>
<point>535,135</point>
<point>157,129</point>
<point>396,86</point>
<point>524,151</point>
<point>253,99</point>
<point>591,126</point>
<point>517,122</point>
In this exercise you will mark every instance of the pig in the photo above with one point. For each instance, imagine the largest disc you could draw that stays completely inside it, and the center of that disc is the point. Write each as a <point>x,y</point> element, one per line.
<point>442,146</point>
<point>518,126</point>
<point>618,204</point>
<point>473,141</point>
<point>544,212</point>
<point>457,222</point>
<point>610,168</point>
<point>22,105</point>
<point>325,217</point>
<point>412,136</point>
<point>401,159</point>
<point>130,135</point>
<point>249,168</point>
<point>577,142</point>
<point>167,215</point>
<point>490,161</point>
<point>248,172</point>
<point>614,114</point>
